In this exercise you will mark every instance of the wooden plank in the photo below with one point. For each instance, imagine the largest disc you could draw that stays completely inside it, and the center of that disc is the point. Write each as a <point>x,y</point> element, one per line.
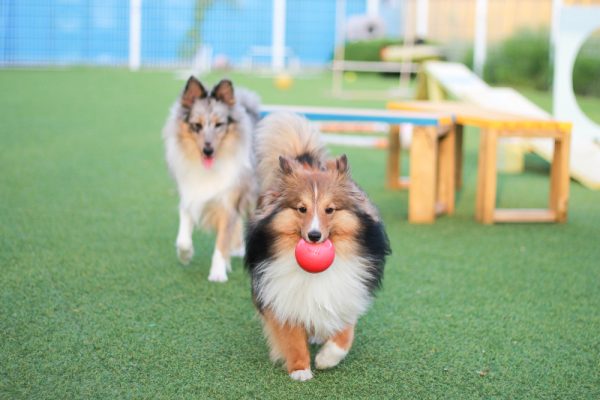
<point>446,164</point>
<point>422,85</point>
<point>374,66</point>
<point>524,215</point>
<point>435,91</point>
<point>467,113</point>
<point>362,115</point>
<point>423,171</point>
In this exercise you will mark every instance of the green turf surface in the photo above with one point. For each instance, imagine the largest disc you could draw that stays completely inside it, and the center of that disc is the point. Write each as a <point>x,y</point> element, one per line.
<point>95,305</point>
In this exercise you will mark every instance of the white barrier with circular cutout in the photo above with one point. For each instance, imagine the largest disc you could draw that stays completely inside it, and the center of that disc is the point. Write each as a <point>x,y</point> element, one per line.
<point>576,24</point>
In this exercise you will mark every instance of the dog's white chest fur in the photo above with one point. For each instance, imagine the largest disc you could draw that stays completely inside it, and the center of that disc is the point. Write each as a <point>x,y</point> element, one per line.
<point>198,185</point>
<point>324,303</point>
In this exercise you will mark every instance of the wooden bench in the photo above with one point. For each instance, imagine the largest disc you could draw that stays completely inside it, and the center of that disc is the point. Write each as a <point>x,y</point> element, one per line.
<point>432,191</point>
<point>493,126</point>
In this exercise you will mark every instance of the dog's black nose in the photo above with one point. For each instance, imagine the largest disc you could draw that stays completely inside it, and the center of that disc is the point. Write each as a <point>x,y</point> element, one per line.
<point>314,236</point>
<point>208,151</point>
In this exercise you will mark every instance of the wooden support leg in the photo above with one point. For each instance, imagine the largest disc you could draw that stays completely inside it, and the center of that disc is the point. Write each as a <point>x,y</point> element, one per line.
<point>480,176</point>
<point>393,160</point>
<point>559,178</point>
<point>423,171</point>
<point>488,174</point>
<point>446,171</point>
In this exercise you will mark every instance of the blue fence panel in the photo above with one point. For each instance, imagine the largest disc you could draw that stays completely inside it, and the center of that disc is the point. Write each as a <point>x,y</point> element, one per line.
<point>26,36</point>
<point>97,31</point>
<point>164,27</point>
<point>233,28</point>
<point>311,29</point>
<point>108,39</point>
<point>64,32</point>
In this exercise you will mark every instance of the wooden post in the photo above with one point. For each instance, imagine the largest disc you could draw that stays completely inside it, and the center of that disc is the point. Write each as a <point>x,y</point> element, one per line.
<point>480,175</point>
<point>488,197</point>
<point>446,170</point>
<point>423,171</point>
<point>559,177</point>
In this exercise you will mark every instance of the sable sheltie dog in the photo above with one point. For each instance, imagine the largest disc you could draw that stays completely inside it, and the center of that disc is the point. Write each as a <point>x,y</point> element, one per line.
<point>304,195</point>
<point>208,141</point>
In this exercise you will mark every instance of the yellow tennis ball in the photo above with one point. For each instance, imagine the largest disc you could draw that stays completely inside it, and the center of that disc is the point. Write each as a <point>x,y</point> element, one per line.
<point>350,76</point>
<point>283,81</point>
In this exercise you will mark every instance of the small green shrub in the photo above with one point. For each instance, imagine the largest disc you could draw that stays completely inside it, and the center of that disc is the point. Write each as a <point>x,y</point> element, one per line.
<point>367,50</point>
<point>524,60</point>
<point>586,76</point>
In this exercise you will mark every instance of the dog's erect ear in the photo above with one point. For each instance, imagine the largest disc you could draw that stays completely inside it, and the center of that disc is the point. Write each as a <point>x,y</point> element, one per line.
<point>341,164</point>
<point>193,90</point>
<point>285,165</point>
<point>224,92</point>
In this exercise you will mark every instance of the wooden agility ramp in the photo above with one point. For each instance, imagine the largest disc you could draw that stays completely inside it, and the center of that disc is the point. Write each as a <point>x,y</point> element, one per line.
<point>440,81</point>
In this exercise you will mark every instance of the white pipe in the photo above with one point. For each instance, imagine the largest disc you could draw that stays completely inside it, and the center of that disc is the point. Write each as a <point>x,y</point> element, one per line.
<point>135,34</point>
<point>339,45</point>
<point>479,52</point>
<point>278,43</point>
<point>556,6</point>
<point>373,8</point>
<point>422,18</point>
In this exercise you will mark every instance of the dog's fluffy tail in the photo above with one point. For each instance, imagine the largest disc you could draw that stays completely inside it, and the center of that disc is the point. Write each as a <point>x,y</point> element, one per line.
<point>250,101</point>
<point>289,135</point>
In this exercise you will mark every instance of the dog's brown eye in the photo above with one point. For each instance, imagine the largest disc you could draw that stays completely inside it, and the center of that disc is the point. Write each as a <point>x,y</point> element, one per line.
<point>196,127</point>
<point>219,124</point>
<point>329,210</point>
<point>302,210</point>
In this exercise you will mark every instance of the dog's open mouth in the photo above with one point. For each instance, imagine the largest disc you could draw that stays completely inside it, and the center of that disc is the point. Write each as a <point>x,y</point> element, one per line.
<point>208,161</point>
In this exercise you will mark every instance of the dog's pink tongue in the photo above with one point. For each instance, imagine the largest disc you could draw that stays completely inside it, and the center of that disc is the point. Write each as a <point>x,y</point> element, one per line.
<point>208,161</point>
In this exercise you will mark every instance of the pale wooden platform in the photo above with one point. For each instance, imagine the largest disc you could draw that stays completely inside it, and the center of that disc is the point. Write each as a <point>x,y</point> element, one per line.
<point>493,126</point>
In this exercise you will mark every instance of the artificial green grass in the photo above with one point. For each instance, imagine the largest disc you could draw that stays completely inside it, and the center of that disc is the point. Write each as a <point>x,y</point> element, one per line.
<point>95,305</point>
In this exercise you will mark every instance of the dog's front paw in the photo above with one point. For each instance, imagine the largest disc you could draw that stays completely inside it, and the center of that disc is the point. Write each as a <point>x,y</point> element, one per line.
<point>301,375</point>
<point>329,356</point>
<point>218,268</point>
<point>185,252</point>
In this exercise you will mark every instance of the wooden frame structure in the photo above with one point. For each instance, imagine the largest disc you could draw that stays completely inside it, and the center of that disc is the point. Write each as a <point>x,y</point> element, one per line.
<point>432,174</point>
<point>494,125</point>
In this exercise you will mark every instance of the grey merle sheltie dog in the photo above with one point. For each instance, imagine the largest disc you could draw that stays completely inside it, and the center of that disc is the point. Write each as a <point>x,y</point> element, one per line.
<point>208,142</point>
<point>304,194</point>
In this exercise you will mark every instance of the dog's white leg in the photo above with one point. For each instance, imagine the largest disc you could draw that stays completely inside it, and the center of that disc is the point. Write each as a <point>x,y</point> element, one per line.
<point>330,355</point>
<point>335,349</point>
<point>220,259</point>
<point>238,248</point>
<point>301,375</point>
<point>218,268</point>
<point>288,342</point>
<point>185,247</point>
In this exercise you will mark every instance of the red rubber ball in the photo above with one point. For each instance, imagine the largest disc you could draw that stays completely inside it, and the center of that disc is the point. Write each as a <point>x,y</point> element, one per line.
<point>314,257</point>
